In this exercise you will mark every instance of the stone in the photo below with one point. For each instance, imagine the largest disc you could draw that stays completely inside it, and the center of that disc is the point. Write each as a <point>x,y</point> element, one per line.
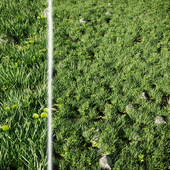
<point>159,120</point>
<point>109,4</point>
<point>106,162</point>
<point>83,20</point>
<point>6,38</point>
<point>130,106</point>
<point>143,95</point>
<point>138,17</point>
<point>108,13</point>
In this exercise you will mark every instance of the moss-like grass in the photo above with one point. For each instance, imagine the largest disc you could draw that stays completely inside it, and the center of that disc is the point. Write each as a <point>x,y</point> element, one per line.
<point>100,67</point>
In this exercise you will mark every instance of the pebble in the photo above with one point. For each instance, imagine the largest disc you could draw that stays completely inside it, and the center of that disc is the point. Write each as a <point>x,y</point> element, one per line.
<point>159,120</point>
<point>6,38</point>
<point>108,13</point>
<point>130,106</point>
<point>106,163</point>
<point>143,95</point>
<point>109,4</point>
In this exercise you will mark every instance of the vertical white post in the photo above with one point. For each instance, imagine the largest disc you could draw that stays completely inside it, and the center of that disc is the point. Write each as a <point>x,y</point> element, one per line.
<point>50,54</point>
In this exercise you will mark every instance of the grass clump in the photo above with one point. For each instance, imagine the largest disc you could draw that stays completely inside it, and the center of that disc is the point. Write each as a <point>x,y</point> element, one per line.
<point>23,86</point>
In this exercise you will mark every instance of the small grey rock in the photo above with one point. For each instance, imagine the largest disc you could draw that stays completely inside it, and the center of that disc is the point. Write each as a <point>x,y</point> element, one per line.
<point>138,17</point>
<point>5,38</point>
<point>130,106</point>
<point>106,163</point>
<point>108,13</point>
<point>109,4</point>
<point>83,20</point>
<point>143,95</point>
<point>159,120</point>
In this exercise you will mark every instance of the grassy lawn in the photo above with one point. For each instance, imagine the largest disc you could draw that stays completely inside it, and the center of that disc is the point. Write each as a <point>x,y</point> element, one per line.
<point>23,86</point>
<point>100,67</point>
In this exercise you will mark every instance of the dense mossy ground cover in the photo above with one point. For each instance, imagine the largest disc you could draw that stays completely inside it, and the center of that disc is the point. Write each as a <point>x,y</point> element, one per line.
<point>101,66</point>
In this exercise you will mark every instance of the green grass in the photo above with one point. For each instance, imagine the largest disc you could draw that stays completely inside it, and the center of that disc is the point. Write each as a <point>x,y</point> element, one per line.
<point>23,86</point>
<point>128,55</point>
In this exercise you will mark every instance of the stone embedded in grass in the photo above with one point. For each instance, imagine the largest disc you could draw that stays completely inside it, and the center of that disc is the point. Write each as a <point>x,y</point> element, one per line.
<point>106,163</point>
<point>138,17</point>
<point>159,120</point>
<point>83,20</point>
<point>143,95</point>
<point>109,4</point>
<point>130,106</point>
<point>108,13</point>
<point>6,38</point>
